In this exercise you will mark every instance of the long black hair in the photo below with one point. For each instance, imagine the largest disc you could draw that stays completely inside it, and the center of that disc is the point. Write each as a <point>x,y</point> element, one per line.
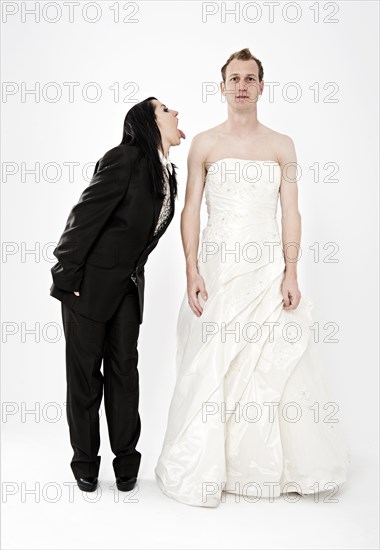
<point>141,129</point>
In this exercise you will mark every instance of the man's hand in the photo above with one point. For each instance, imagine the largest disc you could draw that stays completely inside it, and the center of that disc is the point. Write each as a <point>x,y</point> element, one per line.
<point>195,284</point>
<point>290,292</point>
<point>76,293</point>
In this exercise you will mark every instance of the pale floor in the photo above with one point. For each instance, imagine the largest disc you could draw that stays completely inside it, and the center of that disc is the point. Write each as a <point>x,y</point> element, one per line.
<point>148,519</point>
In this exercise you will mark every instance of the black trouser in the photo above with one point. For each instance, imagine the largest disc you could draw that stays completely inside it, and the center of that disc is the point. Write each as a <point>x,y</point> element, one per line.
<point>89,342</point>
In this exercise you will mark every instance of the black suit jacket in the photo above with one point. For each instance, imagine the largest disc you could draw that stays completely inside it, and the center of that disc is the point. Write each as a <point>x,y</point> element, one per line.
<point>109,235</point>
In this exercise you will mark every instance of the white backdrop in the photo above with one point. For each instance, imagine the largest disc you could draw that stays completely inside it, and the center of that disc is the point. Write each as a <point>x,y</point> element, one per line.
<point>321,72</point>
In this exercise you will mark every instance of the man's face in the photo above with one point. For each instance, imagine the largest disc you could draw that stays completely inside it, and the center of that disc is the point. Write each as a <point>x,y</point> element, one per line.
<point>242,87</point>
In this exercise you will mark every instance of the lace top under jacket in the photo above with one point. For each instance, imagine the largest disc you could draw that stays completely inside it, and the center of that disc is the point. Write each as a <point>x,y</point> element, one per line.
<point>166,205</point>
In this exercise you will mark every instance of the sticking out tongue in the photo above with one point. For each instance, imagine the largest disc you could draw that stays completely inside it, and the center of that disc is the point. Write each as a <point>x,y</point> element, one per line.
<point>182,135</point>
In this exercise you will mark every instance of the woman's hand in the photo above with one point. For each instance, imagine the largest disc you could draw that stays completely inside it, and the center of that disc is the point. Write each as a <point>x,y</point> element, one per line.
<point>76,293</point>
<point>290,292</point>
<point>195,284</point>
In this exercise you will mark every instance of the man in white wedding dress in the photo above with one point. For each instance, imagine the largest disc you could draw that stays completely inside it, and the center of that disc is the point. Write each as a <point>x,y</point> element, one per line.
<point>249,412</point>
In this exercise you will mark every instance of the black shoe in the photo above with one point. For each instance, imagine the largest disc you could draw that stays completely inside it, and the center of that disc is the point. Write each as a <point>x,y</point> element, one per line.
<point>126,483</point>
<point>88,484</point>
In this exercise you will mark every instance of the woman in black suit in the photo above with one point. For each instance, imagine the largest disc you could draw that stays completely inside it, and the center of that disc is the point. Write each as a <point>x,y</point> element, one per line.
<point>99,279</point>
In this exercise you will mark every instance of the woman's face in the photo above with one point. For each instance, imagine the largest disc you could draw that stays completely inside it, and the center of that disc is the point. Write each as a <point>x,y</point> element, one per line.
<point>167,123</point>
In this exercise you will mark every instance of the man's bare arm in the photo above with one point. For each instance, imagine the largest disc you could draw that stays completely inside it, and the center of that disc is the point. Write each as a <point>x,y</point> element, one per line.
<point>190,220</point>
<point>290,221</point>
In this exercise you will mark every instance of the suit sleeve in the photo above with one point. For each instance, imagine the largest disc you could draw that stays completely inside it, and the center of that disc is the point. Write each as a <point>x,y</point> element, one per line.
<point>107,188</point>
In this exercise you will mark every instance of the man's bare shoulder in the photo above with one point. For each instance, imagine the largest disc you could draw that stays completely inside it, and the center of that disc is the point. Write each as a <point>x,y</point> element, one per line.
<point>281,144</point>
<point>202,144</point>
<point>281,141</point>
<point>207,137</point>
<point>285,148</point>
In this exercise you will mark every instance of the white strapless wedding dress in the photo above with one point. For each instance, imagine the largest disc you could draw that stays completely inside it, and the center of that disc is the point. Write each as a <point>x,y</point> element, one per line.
<point>250,413</point>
